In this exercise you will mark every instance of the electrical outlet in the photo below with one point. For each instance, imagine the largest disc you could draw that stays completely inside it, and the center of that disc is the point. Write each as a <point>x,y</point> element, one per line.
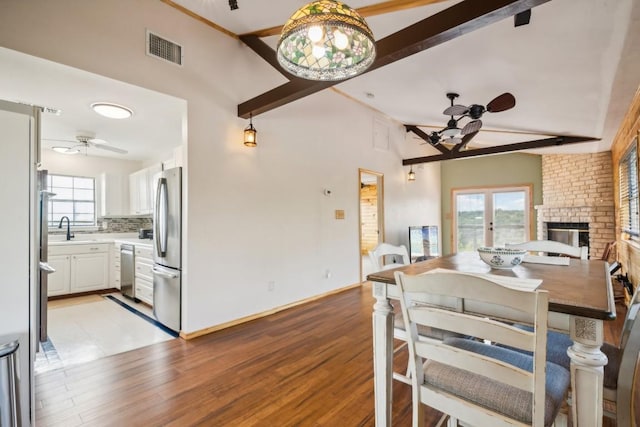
<point>271,286</point>
<point>327,274</point>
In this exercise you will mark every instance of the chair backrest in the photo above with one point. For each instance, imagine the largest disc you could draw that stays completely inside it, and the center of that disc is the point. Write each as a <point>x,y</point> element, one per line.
<point>378,255</point>
<point>550,246</point>
<point>434,299</point>
<point>630,346</point>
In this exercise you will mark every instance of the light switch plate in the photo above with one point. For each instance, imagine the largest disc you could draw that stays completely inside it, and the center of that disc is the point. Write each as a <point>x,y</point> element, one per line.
<point>339,214</point>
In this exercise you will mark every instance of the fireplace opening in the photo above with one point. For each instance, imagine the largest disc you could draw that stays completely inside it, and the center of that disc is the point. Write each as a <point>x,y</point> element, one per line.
<point>571,233</point>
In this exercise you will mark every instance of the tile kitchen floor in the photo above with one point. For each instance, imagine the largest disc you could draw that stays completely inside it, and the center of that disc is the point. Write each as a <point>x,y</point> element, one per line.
<point>88,328</point>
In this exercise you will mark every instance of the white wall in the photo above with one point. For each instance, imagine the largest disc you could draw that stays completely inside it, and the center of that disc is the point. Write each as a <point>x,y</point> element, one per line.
<point>252,215</point>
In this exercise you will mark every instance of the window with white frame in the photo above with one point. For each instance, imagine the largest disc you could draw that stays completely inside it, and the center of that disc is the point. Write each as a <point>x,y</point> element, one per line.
<point>629,209</point>
<point>75,198</point>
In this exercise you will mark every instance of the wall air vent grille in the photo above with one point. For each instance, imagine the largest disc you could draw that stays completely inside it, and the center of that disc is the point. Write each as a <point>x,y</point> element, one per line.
<point>163,48</point>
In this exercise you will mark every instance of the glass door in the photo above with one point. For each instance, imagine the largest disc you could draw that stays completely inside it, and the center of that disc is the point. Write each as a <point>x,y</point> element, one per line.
<point>491,217</point>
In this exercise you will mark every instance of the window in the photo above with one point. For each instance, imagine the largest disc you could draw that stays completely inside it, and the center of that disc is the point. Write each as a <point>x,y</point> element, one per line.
<point>490,217</point>
<point>75,198</point>
<point>628,170</point>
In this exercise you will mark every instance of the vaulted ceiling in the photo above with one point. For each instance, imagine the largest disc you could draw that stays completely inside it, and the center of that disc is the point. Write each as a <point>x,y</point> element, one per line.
<point>572,69</point>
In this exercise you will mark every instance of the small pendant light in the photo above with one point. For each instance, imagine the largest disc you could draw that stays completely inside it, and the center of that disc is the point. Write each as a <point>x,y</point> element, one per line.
<point>412,175</point>
<point>250,134</point>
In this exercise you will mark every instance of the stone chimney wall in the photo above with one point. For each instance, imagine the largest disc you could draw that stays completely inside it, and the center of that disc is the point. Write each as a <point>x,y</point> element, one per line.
<point>579,188</point>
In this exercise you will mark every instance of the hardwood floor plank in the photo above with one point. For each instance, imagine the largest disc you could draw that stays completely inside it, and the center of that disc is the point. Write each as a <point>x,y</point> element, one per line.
<point>310,365</point>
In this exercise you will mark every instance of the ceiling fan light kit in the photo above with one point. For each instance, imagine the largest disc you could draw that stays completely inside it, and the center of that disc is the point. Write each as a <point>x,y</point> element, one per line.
<point>326,40</point>
<point>111,110</point>
<point>65,150</point>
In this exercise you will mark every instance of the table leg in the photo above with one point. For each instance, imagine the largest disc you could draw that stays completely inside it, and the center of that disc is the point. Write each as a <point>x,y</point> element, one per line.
<point>587,371</point>
<point>382,355</point>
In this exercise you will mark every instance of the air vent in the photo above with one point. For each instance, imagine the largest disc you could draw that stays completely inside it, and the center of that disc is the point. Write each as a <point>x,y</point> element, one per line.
<point>163,48</point>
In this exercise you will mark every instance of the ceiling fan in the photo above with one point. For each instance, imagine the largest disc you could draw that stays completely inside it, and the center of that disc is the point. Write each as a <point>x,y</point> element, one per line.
<point>86,141</point>
<point>452,134</point>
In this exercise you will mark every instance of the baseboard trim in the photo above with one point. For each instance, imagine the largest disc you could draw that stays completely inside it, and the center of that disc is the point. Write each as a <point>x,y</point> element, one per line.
<point>209,330</point>
<point>82,294</point>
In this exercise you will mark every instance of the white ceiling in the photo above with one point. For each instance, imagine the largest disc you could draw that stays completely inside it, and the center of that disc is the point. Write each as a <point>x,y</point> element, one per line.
<point>573,71</point>
<point>31,80</point>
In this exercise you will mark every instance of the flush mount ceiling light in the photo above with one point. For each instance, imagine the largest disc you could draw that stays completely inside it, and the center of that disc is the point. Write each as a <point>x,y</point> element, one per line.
<point>65,150</point>
<point>250,134</point>
<point>111,110</point>
<point>326,40</point>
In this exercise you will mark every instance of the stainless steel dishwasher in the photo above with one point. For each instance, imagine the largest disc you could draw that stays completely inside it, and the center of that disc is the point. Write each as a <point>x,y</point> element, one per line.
<point>127,270</point>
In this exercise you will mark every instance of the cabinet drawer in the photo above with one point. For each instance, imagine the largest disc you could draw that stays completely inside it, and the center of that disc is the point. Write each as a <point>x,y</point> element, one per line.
<point>144,290</point>
<point>144,252</point>
<point>144,269</point>
<point>72,249</point>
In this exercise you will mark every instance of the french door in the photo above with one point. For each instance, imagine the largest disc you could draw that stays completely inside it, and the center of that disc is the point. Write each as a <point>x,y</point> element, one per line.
<point>490,217</point>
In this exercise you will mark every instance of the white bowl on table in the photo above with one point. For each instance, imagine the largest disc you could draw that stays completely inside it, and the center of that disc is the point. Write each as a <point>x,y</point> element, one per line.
<point>502,258</point>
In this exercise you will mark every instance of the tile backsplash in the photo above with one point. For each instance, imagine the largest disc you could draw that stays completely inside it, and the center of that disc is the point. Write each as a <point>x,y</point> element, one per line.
<point>114,225</point>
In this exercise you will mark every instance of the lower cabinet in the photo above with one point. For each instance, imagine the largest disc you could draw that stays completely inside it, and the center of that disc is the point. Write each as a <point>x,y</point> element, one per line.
<point>59,283</point>
<point>143,281</point>
<point>79,268</point>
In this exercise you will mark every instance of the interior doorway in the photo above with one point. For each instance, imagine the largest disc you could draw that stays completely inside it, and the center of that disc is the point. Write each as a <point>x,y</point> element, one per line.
<point>371,215</point>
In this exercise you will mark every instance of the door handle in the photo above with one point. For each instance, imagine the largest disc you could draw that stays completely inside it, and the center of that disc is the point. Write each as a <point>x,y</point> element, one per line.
<point>46,268</point>
<point>164,273</point>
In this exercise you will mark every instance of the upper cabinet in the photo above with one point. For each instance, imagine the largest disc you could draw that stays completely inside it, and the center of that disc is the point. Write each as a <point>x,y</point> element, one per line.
<point>142,190</point>
<point>114,195</point>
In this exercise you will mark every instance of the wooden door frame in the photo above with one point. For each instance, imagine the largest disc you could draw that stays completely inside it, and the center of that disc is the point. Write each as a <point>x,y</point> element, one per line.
<point>380,191</point>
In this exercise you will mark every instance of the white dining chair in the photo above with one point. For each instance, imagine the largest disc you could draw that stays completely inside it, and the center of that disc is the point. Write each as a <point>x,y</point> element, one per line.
<point>621,369</point>
<point>473,382</point>
<point>396,253</point>
<point>381,254</point>
<point>549,246</point>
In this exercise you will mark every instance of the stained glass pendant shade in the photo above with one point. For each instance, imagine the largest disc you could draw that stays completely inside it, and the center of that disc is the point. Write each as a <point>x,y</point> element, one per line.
<point>326,40</point>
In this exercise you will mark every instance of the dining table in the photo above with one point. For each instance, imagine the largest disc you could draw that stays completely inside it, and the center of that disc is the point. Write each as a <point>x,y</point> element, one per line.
<point>580,301</point>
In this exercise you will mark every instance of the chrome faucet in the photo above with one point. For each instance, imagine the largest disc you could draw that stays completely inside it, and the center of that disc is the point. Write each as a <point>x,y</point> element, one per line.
<point>69,234</point>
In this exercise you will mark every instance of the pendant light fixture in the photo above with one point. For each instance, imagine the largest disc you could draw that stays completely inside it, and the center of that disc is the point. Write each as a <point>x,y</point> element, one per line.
<point>326,40</point>
<point>250,134</point>
<point>412,175</point>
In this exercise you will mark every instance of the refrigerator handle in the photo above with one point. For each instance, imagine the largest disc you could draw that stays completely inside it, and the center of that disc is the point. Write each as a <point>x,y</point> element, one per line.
<point>164,273</point>
<point>160,223</point>
<point>45,267</point>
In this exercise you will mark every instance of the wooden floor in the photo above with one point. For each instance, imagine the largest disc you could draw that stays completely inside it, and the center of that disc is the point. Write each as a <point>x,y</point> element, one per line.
<point>306,366</point>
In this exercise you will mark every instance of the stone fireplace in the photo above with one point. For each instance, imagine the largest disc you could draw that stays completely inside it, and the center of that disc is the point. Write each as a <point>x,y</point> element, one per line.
<point>577,193</point>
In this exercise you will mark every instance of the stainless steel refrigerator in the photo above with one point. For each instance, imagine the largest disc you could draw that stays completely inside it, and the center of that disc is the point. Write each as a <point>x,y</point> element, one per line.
<point>167,248</point>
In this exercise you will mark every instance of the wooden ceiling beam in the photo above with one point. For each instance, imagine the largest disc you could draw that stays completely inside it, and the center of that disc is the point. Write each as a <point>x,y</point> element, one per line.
<point>366,11</point>
<point>528,145</point>
<point>446,25</point>
<point>425,136</point>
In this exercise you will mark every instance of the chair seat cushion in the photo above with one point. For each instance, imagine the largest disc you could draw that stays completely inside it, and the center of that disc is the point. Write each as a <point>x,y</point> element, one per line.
<point>481,390</point>
<point>558,343</point>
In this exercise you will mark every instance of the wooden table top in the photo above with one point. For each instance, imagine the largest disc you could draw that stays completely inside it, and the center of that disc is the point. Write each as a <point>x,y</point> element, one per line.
<point>583,288</point>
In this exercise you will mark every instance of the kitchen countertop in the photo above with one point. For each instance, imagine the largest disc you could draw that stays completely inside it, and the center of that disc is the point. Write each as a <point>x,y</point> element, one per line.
<point>87,239</point>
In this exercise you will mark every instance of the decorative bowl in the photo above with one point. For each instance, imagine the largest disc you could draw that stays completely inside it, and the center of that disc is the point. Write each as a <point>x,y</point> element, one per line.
<point>501,257</point>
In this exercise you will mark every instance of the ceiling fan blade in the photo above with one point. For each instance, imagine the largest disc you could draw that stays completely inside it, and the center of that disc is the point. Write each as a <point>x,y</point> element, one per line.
<point>110,148</point>
<point>472,126</point>
<point>465,141</point>
<point>456,110</point>
<point>60,140</point>
<point>501,103</point>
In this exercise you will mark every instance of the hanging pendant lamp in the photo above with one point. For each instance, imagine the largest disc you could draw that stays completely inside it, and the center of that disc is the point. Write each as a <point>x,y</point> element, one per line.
<point>412,175</point>
<point>326,40</point>
<point>250,134</point>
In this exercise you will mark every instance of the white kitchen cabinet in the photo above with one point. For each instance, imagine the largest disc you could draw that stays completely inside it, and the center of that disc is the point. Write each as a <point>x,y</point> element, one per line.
<point>79,268</point>
<point>139,203</point>
<point>59,283</point>
<point>114,273</point>
<point>143,281</point>
<point>142,190</point>
<point>114,194</point>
